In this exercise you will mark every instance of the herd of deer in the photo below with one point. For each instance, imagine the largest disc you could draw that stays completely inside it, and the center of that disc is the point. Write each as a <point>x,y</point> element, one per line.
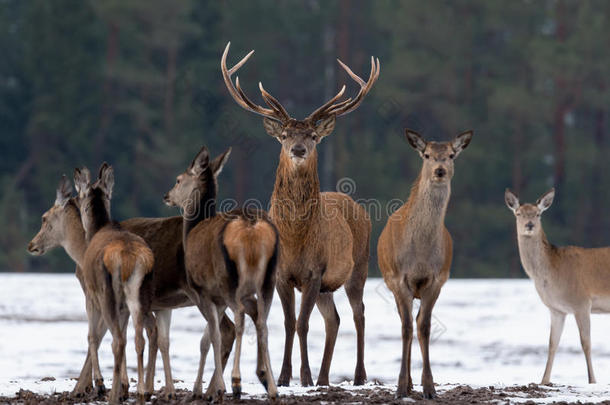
<point>312,241</point>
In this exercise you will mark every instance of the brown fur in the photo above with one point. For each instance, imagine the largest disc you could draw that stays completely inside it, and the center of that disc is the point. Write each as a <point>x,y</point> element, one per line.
<point>118,255</point>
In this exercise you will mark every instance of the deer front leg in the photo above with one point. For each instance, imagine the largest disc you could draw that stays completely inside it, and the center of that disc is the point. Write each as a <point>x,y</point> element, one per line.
<point>216,388</point>
<point>328,310</point>
<point>404,302</point>
<point>583,320</point>
<point>227,334</point>
<point>164,319</point>
<point>84,385</point>
<point>95,318</point>
<point>309,297</point>
<point>424,325</point>
<point>286,294</point>
<point>557,322</point>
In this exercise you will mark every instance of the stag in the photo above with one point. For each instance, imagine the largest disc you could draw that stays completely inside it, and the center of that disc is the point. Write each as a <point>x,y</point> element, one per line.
<point>62,226</point>
<point>324,237</point>
<point>230,261</point>
<point>414,251</point>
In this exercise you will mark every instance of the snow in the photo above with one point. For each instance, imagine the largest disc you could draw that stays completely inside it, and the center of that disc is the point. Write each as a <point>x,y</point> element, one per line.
<point>485,332</point>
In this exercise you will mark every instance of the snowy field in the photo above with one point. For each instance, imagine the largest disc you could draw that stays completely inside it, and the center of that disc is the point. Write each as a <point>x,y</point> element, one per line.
<point>485,332</point>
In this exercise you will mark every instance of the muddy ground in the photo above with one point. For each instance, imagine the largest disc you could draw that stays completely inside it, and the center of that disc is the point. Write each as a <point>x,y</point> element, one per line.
<point>332,395</point>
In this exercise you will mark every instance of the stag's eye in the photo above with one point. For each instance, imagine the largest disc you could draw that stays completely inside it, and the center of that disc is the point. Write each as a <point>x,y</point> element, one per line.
<point>283,137</point>
<point>314,137</point>
<point>452,156</point>
<point>426,156</point>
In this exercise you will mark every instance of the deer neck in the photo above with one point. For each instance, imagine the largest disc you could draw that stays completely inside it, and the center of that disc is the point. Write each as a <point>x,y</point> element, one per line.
<point>295,202</point>
<point>205,208</point>
<point>534,252</point>
<point>99,216</point>
<point>427,206</point>
<point>74,241</point>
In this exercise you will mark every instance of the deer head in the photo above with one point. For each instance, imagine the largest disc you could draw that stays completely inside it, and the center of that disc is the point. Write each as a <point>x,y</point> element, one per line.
<point>438,157</point>
<point>53,230</point>
<point>94,199</point>
<point>197,181</point>
<point>299,138</point>
<point>528,215</point>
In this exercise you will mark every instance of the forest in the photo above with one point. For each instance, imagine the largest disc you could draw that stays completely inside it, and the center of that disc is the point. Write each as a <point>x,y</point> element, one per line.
<point>138,84</point>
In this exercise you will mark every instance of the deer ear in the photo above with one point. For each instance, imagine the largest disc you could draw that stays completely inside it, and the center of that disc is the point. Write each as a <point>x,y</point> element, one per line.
<point>106,179</point>
<point>415,140</point>
<point>219,162</point>
<point>461,142</point>
<point>82,180</point>
<point>511,200</point>
<point>63,192</point>
<point>326,126</point>
<point>273,127</point>
<point>200,163</point>
<point>546,200</point>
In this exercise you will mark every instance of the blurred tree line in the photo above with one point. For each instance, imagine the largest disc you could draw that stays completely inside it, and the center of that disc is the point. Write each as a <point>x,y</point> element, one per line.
<point>137,83</point>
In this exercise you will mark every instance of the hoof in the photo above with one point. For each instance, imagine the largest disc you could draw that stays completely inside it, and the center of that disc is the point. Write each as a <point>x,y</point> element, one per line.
<point>306,380</point>
<point>322,382</point>
<point>429,393</point>
<point>283,381</point>
<point>236,388</point>
<point>403,391</point>
<point>360,377</point>
<point>99,390</point>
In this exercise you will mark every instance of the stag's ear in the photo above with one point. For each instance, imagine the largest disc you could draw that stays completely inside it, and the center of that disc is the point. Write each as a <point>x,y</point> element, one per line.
<point>63,192</point>
<point>546,200</point>
<point>82,180</point>
<point>461,142</point>
<point>219,162</point>
<point>200,163</point>
<point>511,200</point>
<point>273,127</point>
<point>106,179</point>
<point>415,140</point>
<point>326,126</point>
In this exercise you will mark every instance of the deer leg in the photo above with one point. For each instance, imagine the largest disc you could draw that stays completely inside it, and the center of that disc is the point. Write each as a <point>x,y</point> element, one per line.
<point>583,320</point>
<point>286,294</point>
<point>557,322</point>
<point>227,333</point>
<point>216,388</point>
<point>424,325</point>
<point>404,302</point>
<point>138,322</point>
<point>327,308</point>
<point>164,319</point>
<point>264,370</point>
<point>239,332</point>
<point>97,330</point>
<point>112,317</point>
<point>150,324</point>
<point>124,321</point>
<point>355,289</point>
<point>309,297</point>
<point>95,317</point>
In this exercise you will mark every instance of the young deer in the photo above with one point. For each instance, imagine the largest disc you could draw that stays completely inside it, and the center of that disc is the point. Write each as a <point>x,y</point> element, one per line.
<point>229,258</point>
<point>62,226</point>
<point>114,267</point>
<point>324,236</point>
<point>415,250</point>
<point>569,280</point>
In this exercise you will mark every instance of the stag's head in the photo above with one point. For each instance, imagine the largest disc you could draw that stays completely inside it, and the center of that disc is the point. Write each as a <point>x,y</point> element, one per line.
<point>438,157</point>
<point>299,138</point>
<point>94,199</point>
<point>199,180</point>
<point>54,228</point>
<point>528,215</point>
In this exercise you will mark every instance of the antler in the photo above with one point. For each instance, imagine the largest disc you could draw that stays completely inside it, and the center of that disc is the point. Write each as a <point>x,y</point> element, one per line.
<point>277,112</point>
<point>349,105</point>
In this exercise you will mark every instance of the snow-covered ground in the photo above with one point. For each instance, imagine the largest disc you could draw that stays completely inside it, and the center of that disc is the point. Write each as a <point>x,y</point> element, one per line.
<point>485,332</point>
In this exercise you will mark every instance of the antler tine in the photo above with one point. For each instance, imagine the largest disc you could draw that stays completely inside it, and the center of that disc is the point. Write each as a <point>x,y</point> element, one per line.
<point>272,101</point>
<point>364,88</point>
<point>278,114</point>
<point>317,113</point>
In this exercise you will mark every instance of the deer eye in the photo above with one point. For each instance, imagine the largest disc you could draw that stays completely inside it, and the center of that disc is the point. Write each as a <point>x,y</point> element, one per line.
<point>452,156</point>
<point>314,137</point>
<point>177,181</point>
<point>426,156</point>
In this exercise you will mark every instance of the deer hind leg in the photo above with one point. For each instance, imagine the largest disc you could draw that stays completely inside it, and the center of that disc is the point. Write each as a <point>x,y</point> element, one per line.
<point>424,326</point>
<point>164,319</point>
<point>112,317</point>
<point>327,308</point>
<point>404,302</point>
<point>286,294</point>
<point>557,322</point>
<point>204,344</point>
<point>97,329</point>
<point>354,289</point>
<point>309,297</point>
<point>132,296</point>
<point>124,321</point>
<point>239,312</point>
<point>264,370</point>
<point>583,320</point>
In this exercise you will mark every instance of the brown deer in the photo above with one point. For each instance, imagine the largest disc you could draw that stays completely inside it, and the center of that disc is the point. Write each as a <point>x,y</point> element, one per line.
<point>569,280</point>
<point>324,236</point>
<point>114,266</point>
<point>414,251</point>
<point>62,226</point>
<point>230,258</point>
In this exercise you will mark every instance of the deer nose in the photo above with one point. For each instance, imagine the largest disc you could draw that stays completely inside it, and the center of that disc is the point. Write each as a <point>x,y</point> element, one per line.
<point>529,226</point>
<point>440,172</point>
<point>32,248</point>
<point>298,150</point>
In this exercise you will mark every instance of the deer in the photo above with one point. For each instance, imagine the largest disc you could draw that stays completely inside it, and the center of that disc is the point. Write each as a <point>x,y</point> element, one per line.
<point>115,264</point>
<point>324,237</point>
<point>415,250</point>
<point>62,226</point>
<point>230,261</point>
<point>569,280</point>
